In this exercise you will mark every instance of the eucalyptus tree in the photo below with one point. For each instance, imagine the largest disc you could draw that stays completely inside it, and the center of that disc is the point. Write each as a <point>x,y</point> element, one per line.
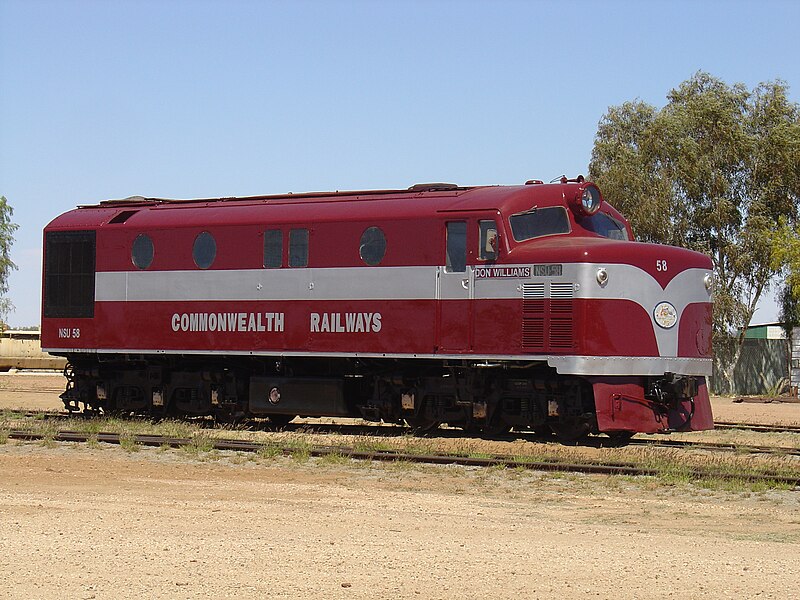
<point>7,229</point>
<point>717,170</point>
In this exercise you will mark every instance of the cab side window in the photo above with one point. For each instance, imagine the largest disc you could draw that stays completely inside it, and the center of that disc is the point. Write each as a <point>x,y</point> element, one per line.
<point>456,260</point>
<point>487,242</point>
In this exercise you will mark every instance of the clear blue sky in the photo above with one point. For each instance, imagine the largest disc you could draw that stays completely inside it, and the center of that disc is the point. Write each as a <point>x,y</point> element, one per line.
<point>108,99</point>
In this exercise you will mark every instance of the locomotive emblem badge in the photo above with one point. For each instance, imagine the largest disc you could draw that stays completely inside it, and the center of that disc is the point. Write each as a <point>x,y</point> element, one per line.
<point>665,315</point>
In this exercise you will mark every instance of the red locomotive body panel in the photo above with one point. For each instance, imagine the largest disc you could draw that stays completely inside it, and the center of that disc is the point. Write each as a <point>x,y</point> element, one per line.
<point>483,274</point>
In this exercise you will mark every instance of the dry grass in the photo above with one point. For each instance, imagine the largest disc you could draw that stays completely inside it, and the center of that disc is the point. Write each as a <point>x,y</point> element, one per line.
<point>711,470</point>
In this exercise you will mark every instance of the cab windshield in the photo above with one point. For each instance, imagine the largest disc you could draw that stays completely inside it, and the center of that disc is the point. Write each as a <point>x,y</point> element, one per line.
<point>605,225</point>
<point>539,222</point>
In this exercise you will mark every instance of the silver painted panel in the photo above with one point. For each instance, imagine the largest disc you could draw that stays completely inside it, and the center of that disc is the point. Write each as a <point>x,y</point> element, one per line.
<point>565,365</point>
<point>392,283</point>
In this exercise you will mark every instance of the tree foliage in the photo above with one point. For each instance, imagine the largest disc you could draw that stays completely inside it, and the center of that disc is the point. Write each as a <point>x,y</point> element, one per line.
<point>716,170</point>
<point>786,258</point>
<point>7,229</point>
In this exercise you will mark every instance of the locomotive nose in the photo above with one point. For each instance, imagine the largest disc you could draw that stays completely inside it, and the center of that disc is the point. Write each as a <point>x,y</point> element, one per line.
<point>662,263</point>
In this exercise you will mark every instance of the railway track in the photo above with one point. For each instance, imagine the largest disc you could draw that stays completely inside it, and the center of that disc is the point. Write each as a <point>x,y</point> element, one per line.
<point>758,427</point>
<point>629,469</point>
<point>17,390</point>
<point>716,446</point>
<point>722,425</point>
<point>389,430</point>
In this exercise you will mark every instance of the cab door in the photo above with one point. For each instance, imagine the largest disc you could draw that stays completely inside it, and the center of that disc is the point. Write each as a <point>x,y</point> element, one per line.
<point>454,285</point>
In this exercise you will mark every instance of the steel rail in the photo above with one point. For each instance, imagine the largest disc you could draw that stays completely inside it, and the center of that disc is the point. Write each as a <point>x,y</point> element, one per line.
<point>716,446</point>
<point>757,427</point>
<point>394,456</point>
<point>60,414</point>
<point>389,430</point>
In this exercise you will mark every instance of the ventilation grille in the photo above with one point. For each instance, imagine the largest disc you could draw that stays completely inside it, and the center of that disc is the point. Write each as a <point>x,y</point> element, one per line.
<point>561,290</point>
<point>533,291</point>
<point>548,323</point>
<point>69,273</point>
<point>123,216</point>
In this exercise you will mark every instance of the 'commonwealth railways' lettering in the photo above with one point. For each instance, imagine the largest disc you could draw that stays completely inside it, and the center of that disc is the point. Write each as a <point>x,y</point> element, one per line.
<point>228,322</point>
<point>345,322</point>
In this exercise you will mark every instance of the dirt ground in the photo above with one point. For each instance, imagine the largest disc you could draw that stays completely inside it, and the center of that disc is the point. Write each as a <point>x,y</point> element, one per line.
<point>79,522</point>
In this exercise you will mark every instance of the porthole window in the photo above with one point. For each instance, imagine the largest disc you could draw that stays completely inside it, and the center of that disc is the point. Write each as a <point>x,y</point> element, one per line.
<point>205,250</point>
<point>373,246</point>
<point>142,251</point>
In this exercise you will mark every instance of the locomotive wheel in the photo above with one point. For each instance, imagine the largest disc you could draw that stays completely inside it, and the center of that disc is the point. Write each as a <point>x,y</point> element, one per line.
<point>496,428</point>
<point>570,432</point>
<point>618,438</point>
<point>421,425</point>
<point>280,420</point>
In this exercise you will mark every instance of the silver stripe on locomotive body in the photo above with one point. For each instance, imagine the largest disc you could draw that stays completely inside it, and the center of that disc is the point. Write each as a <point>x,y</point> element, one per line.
<point>349,283</point>
<point>565,365</point>
<point>389,283</point>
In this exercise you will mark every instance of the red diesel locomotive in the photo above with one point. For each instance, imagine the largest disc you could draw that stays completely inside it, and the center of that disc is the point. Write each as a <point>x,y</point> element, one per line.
<point>487,308</point>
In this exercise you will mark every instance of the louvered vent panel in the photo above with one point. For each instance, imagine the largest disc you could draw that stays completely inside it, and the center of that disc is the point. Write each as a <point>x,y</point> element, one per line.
<point>561,290</point>
<point>561,335</point>
<point>547,325</point>
<point>532,291</point>
<point>533,309</point>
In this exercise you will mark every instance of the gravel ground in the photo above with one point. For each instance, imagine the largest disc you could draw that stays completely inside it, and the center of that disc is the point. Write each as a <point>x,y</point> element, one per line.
<point>78,522</point>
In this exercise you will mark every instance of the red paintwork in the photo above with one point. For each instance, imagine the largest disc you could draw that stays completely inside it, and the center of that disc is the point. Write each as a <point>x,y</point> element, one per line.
<point>695,334</point>
<point>562,248</point>
<point>621,406</point>
<point>407,326</point>
<point>238,227</point>
<point>616,328</point>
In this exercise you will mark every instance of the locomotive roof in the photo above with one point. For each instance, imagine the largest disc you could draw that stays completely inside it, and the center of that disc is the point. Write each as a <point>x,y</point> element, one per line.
<point>415,202</point>
<point>438,197</point>
<point>289,197</point>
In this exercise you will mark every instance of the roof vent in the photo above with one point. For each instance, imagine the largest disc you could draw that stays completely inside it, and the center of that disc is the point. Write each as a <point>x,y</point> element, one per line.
<point>433,187</point>
<point>122,216</point>
<point>563,179</point>
<point>129,200</point>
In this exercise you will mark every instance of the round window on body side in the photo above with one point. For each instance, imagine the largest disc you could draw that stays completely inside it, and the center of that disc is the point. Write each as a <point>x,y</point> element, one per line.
<point>205,250</point>
<point>373,246</point>
<point>142,251</point>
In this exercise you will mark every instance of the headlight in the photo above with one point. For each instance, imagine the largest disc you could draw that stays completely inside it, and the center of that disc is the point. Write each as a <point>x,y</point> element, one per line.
<point>708,280</point>
<point>590,200</point>
<point>602,277</point>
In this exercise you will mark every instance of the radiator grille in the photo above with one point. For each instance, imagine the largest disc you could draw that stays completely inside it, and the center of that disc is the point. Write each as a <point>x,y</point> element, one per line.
<point>561,290</point>
<point>548,323</point>
<point>533,316</point>
<point>532,291</point>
